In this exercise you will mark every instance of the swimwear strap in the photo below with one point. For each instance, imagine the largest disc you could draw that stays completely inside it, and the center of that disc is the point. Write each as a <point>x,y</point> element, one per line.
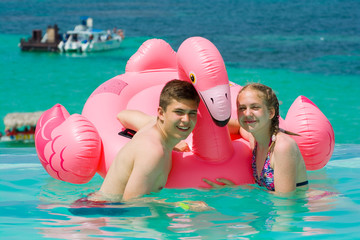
<point>302,183</point>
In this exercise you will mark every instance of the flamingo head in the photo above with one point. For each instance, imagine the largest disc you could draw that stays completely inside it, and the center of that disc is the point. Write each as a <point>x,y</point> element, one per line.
<point>200,62</point>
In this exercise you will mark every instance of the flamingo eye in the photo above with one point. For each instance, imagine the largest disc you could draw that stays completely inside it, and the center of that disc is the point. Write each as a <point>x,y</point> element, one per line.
<point>192,77</point>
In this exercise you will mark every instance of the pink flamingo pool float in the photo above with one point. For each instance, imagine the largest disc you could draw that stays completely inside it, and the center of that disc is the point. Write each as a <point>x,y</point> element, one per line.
<point>74,147</point>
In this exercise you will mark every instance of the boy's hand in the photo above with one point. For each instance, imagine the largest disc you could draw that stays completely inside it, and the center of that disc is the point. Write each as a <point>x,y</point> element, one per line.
<point>182,146</point>
<point>225,182</point>
<point>195,206</point>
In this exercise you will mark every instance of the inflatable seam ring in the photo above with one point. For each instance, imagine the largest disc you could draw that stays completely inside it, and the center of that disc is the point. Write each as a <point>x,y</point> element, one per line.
<point>73,148</point>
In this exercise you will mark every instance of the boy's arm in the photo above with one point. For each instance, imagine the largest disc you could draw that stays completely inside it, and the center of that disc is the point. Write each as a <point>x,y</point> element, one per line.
<point>134,119</point>
<point>235,129</point>
<point>233,126</point>
<point>145,174</point>
<point>113,186</point>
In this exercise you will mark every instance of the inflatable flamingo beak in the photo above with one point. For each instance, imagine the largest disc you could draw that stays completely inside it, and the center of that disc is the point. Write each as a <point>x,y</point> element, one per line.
<point>200,62</point>
<point>218,102</point>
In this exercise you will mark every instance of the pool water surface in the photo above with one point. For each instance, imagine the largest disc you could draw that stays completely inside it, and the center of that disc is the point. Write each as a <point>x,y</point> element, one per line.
<point>33,205</point>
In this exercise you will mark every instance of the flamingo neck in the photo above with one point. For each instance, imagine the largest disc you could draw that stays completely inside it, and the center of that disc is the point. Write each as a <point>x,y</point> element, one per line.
<point>211,142</point>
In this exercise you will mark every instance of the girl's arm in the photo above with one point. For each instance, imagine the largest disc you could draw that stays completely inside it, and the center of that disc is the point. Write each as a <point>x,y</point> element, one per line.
<point>284,163</point>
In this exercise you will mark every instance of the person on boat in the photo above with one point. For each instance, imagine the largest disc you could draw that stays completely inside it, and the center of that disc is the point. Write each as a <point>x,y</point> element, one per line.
<point>276,162</point>
<point>108,36</point>
<point>120,32</point>
<point>143,164</point>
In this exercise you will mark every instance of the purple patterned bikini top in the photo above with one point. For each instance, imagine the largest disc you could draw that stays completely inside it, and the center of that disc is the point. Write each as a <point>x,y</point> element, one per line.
<point>266,178</point>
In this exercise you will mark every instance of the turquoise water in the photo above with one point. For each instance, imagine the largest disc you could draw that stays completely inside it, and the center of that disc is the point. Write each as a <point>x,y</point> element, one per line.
<point>33,81</point>
<point>297,48</point>
<point>41,207</point>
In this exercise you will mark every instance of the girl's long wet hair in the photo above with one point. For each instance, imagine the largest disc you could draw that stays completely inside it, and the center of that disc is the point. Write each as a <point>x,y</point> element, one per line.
<point>271,101</point>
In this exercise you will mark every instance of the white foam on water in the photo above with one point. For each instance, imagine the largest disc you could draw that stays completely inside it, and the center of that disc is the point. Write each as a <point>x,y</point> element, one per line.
<point>16,155</point>
<point>346,163</point>
<point>20,165</point>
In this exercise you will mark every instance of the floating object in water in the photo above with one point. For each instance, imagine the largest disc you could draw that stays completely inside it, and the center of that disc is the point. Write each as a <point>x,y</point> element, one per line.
<point>73,148</point>
<point>84,38</point>
<point>20,126</point>
<point>49,42</point>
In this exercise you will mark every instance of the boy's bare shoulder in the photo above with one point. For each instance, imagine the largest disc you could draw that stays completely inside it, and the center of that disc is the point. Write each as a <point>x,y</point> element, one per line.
<point>147,137</point>
<point>148,144</point>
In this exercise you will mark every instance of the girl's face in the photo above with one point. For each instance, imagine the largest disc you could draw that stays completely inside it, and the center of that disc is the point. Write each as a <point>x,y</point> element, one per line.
<point>253,114</point>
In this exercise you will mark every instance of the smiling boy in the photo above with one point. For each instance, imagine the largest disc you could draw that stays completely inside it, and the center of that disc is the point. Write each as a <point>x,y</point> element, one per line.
<point>143,164</point>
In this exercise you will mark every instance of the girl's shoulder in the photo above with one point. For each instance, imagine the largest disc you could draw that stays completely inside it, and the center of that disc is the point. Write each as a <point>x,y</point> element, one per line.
<point>285,143</point>
<point>286,152</point>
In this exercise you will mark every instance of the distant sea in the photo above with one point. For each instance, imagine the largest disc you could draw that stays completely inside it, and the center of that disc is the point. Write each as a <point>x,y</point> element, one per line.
<point>309,48</point>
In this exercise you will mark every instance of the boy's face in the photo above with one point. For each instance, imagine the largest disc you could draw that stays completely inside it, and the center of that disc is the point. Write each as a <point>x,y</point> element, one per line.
<point>179,118</point>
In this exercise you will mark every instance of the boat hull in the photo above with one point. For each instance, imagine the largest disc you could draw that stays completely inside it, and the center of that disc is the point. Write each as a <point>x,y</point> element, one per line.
<point>90,45</point>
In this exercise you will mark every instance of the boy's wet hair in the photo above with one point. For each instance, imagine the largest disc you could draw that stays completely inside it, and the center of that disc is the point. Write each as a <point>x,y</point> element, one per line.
<point>178,90</point>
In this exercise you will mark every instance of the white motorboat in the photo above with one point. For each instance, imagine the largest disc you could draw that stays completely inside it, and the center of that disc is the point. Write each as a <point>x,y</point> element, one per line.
<point>86,39</point>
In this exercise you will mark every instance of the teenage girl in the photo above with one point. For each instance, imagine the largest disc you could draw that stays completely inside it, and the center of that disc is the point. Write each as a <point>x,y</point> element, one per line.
<point>276,162</point>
